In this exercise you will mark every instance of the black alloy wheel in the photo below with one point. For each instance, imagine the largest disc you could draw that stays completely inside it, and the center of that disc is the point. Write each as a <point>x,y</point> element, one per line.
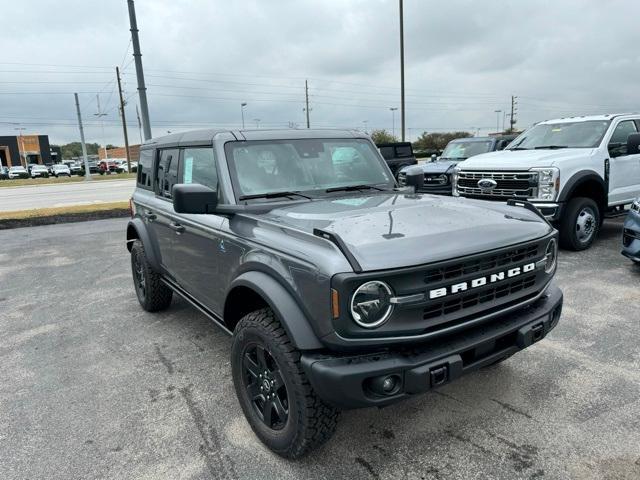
<point>265,386</point>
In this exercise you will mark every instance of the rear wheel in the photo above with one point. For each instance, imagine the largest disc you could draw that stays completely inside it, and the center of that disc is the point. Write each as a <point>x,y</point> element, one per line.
<point>580,224</point>
<point>153,295</point>
<point>274,393</point>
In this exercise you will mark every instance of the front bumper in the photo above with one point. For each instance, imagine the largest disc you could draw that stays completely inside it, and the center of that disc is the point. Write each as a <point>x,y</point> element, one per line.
<point>631,236</point>
<point>344,381</point>
<point>551,211</point>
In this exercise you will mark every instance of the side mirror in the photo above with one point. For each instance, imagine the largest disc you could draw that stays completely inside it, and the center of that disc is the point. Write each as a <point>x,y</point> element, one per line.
<point>414,177</point>
<point>194,198</point>
<point>633,144</point>
<point>434,157</point>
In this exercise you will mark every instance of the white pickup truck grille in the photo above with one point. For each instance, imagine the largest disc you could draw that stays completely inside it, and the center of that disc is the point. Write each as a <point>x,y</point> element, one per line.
<point>508,184</point>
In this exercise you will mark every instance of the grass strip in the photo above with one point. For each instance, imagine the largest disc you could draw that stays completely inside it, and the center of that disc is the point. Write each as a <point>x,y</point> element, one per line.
<point>21,182</point>
<point>72,213</point>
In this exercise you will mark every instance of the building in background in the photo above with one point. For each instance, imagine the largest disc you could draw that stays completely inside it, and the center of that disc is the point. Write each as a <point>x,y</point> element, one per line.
<point>119,152</point>
<point>23,150</point>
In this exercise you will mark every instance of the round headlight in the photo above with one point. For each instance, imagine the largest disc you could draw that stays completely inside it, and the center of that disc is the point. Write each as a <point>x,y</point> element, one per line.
<point>371,305</point>
<point>551,256</point>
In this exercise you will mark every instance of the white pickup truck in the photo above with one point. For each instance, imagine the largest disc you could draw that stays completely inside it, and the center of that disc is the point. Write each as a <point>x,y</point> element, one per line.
<point>574,170</point>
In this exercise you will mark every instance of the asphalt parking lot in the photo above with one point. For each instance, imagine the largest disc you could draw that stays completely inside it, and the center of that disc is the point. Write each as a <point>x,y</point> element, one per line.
<point>93,387</point>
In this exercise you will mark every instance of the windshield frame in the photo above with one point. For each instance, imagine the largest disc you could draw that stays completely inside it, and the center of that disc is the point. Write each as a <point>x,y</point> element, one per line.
<point>320,191</point>
<point>515,143</point>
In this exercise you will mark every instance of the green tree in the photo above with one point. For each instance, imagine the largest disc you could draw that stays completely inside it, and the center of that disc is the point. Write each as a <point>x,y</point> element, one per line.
<point>74,149</point>
<point>437,141</point>
<point>382,136</point>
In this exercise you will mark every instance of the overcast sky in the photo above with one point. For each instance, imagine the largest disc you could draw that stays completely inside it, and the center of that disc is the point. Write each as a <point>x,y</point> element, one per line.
<point>464,60</point>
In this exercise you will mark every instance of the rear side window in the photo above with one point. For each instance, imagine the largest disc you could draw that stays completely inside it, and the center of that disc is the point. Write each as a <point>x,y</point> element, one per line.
<point>403,151</point>
<point>144,169</point>
<point>387,152</point>
<point>199,166</point>
<point>167,173</point>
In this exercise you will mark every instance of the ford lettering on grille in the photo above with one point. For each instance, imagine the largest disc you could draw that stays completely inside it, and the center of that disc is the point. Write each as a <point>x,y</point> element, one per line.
<point>481,281</point>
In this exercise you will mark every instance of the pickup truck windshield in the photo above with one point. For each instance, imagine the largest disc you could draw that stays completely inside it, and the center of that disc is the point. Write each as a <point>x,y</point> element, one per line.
<point>266,167</point>
<point>461,150</point>
<point>586,134</point>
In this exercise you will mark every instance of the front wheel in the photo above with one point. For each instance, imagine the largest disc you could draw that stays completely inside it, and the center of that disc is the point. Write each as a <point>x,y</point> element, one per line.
<point>580,224</point>
<point>276,397</point>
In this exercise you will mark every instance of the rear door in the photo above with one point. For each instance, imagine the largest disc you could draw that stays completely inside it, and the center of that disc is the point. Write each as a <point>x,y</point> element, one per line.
<point>624,169</point>
<point>162,212</point>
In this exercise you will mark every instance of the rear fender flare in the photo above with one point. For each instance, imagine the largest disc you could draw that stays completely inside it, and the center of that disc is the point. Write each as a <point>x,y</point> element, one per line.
<point>136,228</point>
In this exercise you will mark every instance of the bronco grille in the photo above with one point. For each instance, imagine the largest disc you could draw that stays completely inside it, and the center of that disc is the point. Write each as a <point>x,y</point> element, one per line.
<point>508,184</point>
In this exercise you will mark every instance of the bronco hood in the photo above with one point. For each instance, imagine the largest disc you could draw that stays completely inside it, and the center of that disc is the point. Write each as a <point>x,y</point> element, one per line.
<point>437,167</point>
<point>390,230</point>
<point>522,159</point>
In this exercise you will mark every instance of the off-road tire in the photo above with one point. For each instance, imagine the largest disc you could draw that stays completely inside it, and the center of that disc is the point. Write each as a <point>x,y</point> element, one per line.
<point>569,230</point>
<point>310,422</point>
<point>156,295</point>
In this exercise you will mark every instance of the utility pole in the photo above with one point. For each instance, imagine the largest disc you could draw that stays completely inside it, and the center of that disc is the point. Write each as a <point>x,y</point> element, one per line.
<point>512,117</point>
<point>306,96</point>
<point>87,173</point>
<point>139,123</point>
<point>100,114</point>
<point>142,89</point>
<point>497,112</point>
<point>402,113</point>
<point>124,122</point>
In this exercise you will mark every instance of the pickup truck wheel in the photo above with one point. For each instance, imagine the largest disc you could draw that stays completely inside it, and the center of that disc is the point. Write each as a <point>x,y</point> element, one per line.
<point>580,224</point>
<point>274,393</point>
<point>153,295</point>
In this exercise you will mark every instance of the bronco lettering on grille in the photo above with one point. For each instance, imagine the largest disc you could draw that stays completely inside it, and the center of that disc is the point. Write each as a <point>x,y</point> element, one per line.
<point>478,282</point>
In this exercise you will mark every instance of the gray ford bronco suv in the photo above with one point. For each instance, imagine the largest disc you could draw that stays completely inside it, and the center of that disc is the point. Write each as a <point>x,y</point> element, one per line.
<point>339,289</point>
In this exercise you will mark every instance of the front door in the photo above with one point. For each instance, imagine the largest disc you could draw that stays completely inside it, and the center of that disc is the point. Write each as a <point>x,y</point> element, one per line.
<point>198,248</point>
<point>624,169</point>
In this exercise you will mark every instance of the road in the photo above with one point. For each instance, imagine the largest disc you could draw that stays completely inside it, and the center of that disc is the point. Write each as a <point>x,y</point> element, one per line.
<point>91,386</point>
<point>64,194</point>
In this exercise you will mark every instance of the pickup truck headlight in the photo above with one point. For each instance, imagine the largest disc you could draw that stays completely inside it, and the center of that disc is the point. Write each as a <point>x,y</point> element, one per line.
<point>548,183</point>
<point>454,182</point>
<point>635,206</point>
<point>371,304</point>
<point>437,179</point>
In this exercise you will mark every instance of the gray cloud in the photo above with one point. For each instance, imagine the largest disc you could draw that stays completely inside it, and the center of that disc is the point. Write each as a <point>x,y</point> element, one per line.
<point>202,58</point>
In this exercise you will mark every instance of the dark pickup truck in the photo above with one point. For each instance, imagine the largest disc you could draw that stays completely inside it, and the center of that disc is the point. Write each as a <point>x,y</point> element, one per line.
<point>397,155</point>
<point>437,174</point>
<point>339,289</point>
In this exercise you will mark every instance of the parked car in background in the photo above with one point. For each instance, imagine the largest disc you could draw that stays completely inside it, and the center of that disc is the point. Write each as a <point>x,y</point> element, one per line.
<point>631,233</point>
<point>74,167</point>
<point>93,167</point>
<point>4,173</point>
<point>575,170</point>
<point>18,172</point>
<point>109,167</point>
<point>60,170</point>
<point>38,171</point>
<point>437,174</point>
<point>397,155</point>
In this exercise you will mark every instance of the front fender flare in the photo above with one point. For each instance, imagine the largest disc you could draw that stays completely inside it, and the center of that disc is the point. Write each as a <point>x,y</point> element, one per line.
<point>136,228</point>
<point>285,307</point>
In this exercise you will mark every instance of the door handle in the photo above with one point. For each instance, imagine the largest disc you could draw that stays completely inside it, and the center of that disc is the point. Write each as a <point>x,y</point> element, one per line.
<point>149,215</point>
<point>176,227</point>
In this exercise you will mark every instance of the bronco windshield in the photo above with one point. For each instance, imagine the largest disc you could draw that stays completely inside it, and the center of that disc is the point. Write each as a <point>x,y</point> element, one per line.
<point>586,134</point>
<point>461,149</point>
<point>264,167</point>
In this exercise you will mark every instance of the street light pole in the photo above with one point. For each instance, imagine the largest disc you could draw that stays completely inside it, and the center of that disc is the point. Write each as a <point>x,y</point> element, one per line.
<point>497,112</point>
<point>393,120</point>
<point>402,113</point>
<point>87,173</point>
<point>242,105</point>
<point>257,120</point>
<point>24,154</point>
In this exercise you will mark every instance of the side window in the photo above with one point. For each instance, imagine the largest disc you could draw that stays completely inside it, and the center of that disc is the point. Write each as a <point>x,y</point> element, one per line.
<point>144,169</point>
<point>167,174</point>
<point>199,166</point>
<point>618,142</point>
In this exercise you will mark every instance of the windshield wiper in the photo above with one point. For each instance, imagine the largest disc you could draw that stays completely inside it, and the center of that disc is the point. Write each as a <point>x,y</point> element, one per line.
<point>550,147</point>
<point>273,195</point>
<point>351,188</point>
<point>518,148</point>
